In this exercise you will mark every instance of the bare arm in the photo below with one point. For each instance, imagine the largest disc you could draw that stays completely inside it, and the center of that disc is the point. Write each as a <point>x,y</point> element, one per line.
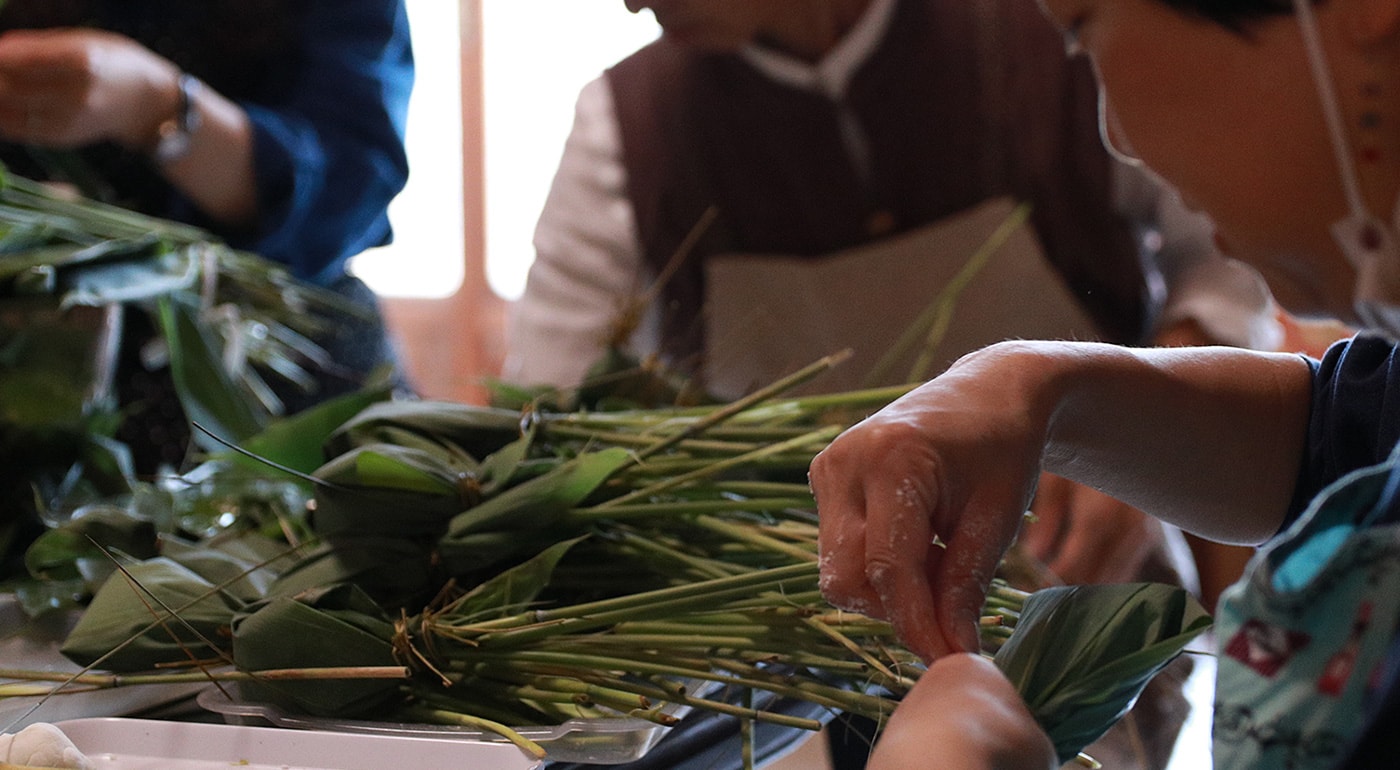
<point>217,172</point>
<point>1206,438</point>
<point>1209,439</point>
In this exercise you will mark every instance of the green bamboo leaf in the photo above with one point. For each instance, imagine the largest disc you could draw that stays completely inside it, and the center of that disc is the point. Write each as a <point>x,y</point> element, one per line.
<point>20,236</point>
<point>399,436</point>
<point>506,465</point>
<point>121,612</point>
<point>389,490</point>
<point>338,626</point>
<point>243,578</point>
<point>380,469</point>
<point>255,548</point>
<point>129,272</point>
<point>106,461</point>
<point>297,441</point>
<point>532,512</point>
<point>512,591</point>
<point>392,492</point>
<point>207,392</point>
<point>1081,655</point>
<point>509,395</point>
<point>375,512</point>
<point>55,554</point>
<point>65,261</point>
<point>397,468</point>
<point>477,430</point>
<point>542,499</point>
<point>396,572</point>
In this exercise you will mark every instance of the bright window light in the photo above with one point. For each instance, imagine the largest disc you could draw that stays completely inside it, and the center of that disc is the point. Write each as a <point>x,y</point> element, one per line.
<point>426,258</point>
<point>537,55</point>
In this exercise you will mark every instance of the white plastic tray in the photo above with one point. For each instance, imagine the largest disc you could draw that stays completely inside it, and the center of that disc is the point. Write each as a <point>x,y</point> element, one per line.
<point>595,741</point>
<point>115,743</point>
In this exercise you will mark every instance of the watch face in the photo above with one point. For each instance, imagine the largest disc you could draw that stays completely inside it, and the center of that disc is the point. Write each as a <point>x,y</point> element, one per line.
<point>173,143</point>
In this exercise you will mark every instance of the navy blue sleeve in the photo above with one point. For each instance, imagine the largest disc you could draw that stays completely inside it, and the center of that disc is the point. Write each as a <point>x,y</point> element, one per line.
<point>1355,419</point>
<point>1355,423</point>
<point>329,156</point>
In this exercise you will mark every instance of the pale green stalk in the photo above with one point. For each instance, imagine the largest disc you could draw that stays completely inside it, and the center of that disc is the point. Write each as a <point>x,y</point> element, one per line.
<point>749,535</point>
<point>92,681</point>
<point>819,436</point>
<point>735,407</point>
<point>687,507</point>
<point>441,716</point>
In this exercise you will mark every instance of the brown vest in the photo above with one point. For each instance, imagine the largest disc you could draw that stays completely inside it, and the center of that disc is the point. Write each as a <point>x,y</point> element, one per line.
<point>962,102</point>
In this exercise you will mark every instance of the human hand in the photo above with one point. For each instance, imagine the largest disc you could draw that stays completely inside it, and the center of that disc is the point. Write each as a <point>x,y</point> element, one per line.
<point>963,714</point>
<point>71,87</point>
<point>957,459</point>
<point>1082,535</point>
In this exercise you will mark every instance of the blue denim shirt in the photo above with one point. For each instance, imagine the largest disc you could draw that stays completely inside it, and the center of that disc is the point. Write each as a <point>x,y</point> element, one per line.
<point>325,84</point>
<point>330,152</point>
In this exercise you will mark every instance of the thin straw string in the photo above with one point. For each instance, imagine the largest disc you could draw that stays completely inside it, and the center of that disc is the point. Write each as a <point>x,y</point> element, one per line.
<point>1326,88</point>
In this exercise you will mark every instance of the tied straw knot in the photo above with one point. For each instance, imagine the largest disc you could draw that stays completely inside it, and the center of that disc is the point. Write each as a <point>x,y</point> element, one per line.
<point>408,654</point>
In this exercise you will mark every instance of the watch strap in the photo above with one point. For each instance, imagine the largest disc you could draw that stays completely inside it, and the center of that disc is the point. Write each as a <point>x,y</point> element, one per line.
<point>174,135</point>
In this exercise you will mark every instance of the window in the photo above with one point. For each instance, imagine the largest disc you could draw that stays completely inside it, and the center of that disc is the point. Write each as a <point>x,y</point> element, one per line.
<point>537,55</point>
<point>425,259</point>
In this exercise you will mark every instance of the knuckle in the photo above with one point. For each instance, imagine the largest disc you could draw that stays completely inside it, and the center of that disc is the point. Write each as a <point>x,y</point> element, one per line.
<point>883,569</point>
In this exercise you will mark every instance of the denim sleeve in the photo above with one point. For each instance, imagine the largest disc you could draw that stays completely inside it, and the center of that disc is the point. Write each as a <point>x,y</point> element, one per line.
<point>1355,418</point>
<point>329,155</point>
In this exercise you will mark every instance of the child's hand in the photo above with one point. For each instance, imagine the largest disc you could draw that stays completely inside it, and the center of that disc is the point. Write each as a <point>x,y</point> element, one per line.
<point>963,715</point>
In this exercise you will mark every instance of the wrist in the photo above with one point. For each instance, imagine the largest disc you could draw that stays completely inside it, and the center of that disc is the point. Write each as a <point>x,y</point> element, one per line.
<point>174,134</point>
<point>1037,377</point>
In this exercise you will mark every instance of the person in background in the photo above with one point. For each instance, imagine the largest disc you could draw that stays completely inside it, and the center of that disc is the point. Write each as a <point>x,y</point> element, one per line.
<point>278,126</point>
<point>802,129</point>
<point>1278,118</point>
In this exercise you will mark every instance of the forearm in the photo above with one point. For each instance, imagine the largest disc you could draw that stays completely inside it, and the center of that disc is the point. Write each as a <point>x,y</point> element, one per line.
<point>216,174</point>
<point>1209,439</point>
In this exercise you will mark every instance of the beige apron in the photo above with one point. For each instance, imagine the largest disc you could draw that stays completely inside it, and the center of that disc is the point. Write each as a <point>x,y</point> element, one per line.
<point>768,315</point>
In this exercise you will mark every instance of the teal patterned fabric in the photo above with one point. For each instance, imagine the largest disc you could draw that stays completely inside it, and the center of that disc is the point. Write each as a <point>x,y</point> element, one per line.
<point>1303,633</point>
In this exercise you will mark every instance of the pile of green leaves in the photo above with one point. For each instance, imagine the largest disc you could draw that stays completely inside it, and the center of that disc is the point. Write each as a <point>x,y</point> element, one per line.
<point>72,270</point>
<point>589,555</point>
<point>535,566</point>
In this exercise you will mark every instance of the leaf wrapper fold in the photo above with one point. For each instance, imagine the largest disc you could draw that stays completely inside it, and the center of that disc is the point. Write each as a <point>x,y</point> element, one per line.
<point>1081,655</point>
<point>337,626</point>
<point>121,611</point>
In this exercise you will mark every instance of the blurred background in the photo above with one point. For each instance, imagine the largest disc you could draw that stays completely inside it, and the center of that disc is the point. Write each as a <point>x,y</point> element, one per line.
<point>482,158</point>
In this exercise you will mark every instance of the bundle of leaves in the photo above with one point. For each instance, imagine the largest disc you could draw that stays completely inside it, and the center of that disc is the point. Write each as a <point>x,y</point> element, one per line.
<point>76,277</point>
<point>532,567</point>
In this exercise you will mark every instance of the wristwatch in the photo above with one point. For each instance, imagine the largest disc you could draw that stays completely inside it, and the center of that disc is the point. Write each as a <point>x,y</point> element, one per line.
<point>174,135</point>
